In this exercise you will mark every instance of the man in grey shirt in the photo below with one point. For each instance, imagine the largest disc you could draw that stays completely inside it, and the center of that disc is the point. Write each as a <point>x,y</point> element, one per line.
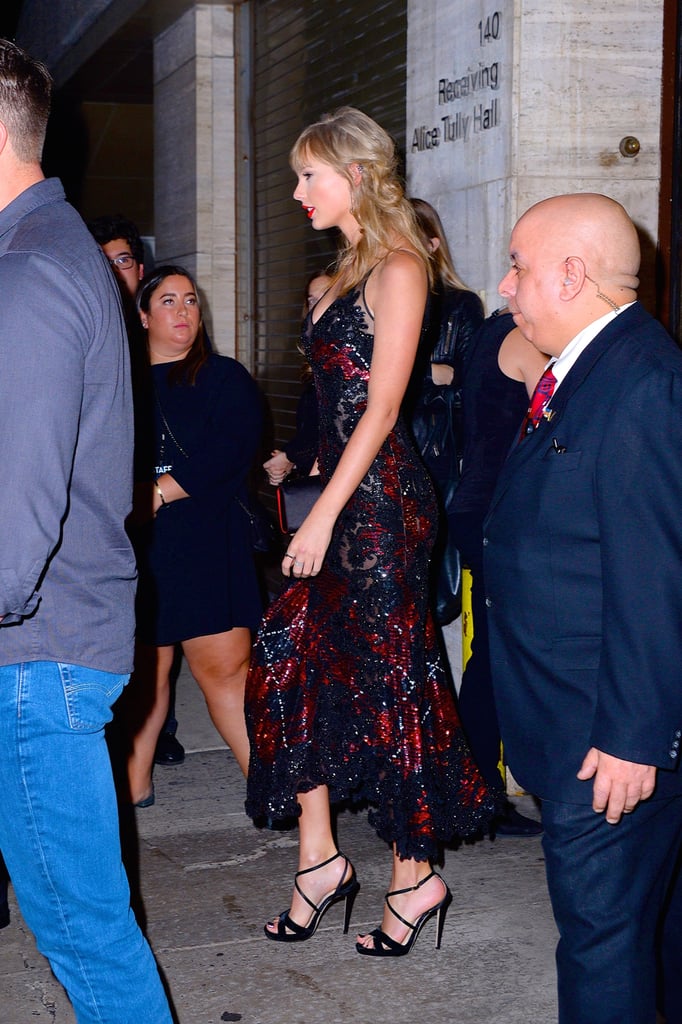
<point>67,574</point>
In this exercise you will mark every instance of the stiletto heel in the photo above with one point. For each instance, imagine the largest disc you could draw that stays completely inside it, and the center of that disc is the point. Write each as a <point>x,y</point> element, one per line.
<point>349,900</point>
<point>289,931</point>
<point>384,945</point>
<point>440,918</point>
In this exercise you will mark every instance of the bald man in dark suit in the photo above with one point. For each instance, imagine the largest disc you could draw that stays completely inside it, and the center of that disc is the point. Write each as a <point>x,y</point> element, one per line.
<point>583,565</point>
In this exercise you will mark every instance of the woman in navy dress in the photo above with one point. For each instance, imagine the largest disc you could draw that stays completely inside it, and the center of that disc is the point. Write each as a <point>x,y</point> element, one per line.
<point>347,696</point>
<point>198,431</point>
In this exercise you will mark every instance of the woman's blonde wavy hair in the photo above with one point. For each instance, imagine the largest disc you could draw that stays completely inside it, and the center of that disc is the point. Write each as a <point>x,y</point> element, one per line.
<point>388,222</point>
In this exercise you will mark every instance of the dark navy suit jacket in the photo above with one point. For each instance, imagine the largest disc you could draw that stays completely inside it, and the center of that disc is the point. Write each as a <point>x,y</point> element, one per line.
<point>583,568</point>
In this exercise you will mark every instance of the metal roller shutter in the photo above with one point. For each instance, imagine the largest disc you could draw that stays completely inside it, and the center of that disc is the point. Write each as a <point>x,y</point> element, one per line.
<point>309,56</point>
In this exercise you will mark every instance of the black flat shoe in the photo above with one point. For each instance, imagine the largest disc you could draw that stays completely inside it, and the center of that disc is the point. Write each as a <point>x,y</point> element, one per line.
<point>514,825</point>
<point>4,915</point>
<point>384,945</point>
<point>147,801</point>
<point>289,931</point>
<point>169,750</point>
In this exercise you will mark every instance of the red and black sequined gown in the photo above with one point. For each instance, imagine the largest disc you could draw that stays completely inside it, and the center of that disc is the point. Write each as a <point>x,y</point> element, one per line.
<point>346,686</point>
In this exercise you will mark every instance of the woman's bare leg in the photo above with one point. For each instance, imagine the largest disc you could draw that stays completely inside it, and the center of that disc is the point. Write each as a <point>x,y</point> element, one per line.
<point>146,704</point>
<point>219,664</point>
<point>406,874</point>
<point>316,845</point>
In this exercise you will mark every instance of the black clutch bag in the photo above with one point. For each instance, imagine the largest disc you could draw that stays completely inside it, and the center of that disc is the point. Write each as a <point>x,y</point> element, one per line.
<point>295,498</point>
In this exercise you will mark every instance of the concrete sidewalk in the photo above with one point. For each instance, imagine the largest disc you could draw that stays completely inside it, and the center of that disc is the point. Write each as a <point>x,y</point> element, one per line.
<point>208,881</point>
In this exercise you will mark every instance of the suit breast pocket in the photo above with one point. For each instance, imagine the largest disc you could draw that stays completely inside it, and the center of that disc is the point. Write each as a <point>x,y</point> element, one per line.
<point>558,460</point>
<point>563,491</point>
<point>567,517</point>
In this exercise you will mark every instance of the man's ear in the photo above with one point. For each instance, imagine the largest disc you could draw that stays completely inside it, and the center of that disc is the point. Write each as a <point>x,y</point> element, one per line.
<point>574,276</point>
<point>4,136</point>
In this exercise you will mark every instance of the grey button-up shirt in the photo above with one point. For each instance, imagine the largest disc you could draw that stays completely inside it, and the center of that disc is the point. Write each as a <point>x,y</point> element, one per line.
<point>67,571</point>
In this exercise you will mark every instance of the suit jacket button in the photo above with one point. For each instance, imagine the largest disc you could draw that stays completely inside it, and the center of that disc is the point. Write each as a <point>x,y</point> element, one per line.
<point>485,542</point>
<point>488,603</point>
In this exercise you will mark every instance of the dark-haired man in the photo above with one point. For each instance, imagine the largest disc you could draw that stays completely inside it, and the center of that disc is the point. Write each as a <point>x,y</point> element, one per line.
<point>67,574</point>
<point>122,245</point>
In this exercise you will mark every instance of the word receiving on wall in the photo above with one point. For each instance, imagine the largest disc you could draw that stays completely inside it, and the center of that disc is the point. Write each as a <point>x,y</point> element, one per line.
<point>470,94</point>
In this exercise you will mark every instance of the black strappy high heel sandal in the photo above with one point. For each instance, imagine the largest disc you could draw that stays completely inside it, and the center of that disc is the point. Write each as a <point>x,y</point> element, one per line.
<point>384,945</point>
<point>289,931</point>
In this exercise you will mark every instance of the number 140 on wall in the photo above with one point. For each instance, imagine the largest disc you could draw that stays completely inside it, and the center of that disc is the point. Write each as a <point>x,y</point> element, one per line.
<point>489,29</point>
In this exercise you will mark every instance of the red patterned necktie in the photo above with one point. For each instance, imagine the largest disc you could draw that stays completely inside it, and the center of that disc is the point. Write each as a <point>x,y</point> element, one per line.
<point>544,389</point>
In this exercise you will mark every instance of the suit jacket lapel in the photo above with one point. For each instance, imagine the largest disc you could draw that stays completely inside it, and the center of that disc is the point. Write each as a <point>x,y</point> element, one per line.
<point>521,453</point>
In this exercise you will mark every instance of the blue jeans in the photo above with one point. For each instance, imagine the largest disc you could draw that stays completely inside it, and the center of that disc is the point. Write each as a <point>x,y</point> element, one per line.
<point>59,836</point>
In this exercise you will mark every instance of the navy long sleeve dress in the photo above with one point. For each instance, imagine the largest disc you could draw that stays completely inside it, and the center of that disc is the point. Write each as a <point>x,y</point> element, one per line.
<point>197,573</point>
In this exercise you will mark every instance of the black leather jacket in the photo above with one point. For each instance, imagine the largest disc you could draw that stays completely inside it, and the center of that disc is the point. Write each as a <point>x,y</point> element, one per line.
<point>452,317</point>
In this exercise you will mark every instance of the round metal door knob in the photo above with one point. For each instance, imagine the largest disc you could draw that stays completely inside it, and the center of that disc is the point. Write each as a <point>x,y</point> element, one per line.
<point>629,146</point>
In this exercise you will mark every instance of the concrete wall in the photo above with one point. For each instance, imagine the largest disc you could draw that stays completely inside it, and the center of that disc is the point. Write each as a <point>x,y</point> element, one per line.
<point>194,164</point>
<point>524,100</point>
<point>506,104</point>
<point>193,124</point>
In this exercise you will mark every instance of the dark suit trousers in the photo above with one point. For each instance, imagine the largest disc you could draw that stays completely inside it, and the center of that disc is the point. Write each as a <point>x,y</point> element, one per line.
<point>608,884</point>
<point>670,952</point>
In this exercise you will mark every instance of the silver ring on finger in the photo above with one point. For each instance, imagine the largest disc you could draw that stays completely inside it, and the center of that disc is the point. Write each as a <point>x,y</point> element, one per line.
<point>290,556</point>
<point>297,563</point>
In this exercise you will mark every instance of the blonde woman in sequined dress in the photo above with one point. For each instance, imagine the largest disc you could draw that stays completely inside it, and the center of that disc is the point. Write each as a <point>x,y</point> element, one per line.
<point>346,695</point>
